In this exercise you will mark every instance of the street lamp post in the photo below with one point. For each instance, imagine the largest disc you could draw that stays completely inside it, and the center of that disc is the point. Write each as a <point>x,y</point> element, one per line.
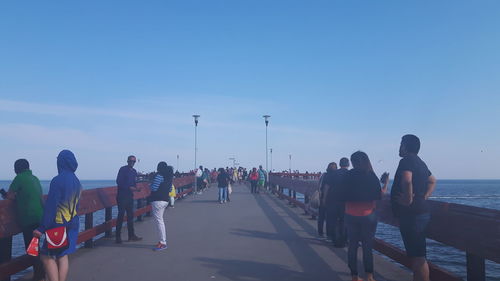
<point>195,150</point>
<point>234,161</point>
<point>266,119</point>
<point>290,163</point>
<point>177,163</point>
<point>271,156</point>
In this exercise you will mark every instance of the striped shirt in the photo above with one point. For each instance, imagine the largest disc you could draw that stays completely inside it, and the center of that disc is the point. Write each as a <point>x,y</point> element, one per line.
<point>156,182</point>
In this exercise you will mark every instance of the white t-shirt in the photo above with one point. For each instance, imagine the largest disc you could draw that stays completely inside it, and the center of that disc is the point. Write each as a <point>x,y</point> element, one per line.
<point>199,173</point>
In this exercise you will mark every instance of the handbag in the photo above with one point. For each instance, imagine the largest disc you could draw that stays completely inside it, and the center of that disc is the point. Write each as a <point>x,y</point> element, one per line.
<point>57,238</point>
<point>229,189</point>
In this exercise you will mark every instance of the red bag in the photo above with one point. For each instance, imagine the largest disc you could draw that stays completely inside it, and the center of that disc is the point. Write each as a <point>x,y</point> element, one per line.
<point>33,247</point>
<point>57,239</point>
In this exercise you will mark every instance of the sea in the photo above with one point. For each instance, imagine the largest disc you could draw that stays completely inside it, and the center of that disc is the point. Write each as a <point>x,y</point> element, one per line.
<point>479,193</point>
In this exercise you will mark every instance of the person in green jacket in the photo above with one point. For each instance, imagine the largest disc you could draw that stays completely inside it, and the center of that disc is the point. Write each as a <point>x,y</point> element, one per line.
<point>26,191</point>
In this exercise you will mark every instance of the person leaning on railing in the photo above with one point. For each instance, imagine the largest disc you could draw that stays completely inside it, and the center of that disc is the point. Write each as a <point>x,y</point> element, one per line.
<point>360,190</point>
<point>413,185</point>
<point>26,191</point>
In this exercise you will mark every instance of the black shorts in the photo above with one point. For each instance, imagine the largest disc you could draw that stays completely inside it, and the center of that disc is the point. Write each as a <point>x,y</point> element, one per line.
<point>413,229</point>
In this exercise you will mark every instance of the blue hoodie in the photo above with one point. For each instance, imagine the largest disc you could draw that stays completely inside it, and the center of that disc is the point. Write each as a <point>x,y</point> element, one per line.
<point>62,201</point>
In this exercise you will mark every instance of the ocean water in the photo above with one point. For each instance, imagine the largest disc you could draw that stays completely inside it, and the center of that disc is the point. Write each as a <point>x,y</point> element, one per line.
<point>479,193</point>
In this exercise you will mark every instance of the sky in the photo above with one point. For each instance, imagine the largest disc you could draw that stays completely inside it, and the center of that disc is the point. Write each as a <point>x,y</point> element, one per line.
<point>107,79</point>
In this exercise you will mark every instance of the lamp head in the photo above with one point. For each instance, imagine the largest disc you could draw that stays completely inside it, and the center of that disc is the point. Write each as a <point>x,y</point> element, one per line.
<point>196,119</point>
<point>266,119</point>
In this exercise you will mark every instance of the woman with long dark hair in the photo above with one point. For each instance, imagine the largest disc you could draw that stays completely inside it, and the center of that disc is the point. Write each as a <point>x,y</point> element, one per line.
<point>330,169</point>
<point>361,189</point>
<point>160,198</point>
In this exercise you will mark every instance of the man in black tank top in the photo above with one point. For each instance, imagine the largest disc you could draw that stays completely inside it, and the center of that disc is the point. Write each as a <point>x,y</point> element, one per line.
<point>412,186</point>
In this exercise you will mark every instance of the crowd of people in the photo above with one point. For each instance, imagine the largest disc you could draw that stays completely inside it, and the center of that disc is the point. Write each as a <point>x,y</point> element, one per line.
<point>347,201</point>
<point>57,221</point>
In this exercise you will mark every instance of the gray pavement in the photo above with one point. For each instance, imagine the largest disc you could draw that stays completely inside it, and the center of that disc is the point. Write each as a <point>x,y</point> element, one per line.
<point>253,237</point>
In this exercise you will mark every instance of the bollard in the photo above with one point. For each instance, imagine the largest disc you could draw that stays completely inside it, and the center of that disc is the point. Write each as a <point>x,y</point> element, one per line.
<point>5,251</point>
<point>306,202</point>
<point>108,213</point>
<point>139,205</point>
<point>475,268</point>
<point>89,224</point>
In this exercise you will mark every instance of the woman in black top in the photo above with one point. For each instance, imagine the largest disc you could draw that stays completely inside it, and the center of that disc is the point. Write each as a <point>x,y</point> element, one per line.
<point>160,189</point>
<point>360,190</point>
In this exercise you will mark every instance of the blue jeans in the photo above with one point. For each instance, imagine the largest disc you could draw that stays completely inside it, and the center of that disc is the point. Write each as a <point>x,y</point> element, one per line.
<point>360,229</point>
<point>222,194</point>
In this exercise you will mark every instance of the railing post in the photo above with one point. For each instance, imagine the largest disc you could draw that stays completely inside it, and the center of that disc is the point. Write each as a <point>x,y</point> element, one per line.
<point>475,268</point>
<point>89,224</point>
<point>306,202</point>
<point>108,214</point>
<point>139,205</point>
<point>148,214</point>
<point>5,251</point>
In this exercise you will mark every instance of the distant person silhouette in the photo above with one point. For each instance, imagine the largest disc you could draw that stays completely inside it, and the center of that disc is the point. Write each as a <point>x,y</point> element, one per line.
<point>322,203</point>
<point>223,180</point>
<point>253,178</point>
<point>335,208</point>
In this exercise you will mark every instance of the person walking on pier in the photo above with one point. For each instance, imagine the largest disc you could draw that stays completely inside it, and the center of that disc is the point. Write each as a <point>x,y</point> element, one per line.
<point>262,179</point>
<point>60,210</point>
<point>160,197</point>
<point>413,185</point>
<point>222,182</point>
<point>360,190</point>
<point>322,203</point>
<point>126,181</point>
<point>199,179</point>
<point>26,191</point>
<point>335,208</point>
<point>253,178</point>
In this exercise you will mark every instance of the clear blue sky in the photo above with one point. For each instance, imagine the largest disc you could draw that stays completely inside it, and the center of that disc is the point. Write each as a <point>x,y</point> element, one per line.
<point>111,78</point>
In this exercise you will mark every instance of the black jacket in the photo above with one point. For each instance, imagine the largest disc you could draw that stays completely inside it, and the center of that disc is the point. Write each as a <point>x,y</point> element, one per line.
<point>360,186</point>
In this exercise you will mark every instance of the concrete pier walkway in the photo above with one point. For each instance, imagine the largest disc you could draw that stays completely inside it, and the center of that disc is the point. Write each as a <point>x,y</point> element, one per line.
<point>253,237</point>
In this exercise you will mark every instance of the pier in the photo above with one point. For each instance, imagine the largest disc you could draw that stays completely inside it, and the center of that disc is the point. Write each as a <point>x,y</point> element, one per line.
<point>266,236</point>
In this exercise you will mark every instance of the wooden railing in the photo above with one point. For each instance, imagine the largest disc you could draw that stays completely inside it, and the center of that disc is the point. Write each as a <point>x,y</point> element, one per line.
<point>91,201</point>
<point>476,231</point>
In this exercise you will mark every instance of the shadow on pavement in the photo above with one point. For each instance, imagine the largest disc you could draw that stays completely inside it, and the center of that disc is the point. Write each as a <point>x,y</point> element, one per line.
<point>314,266</point>
<point>237,270</point>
